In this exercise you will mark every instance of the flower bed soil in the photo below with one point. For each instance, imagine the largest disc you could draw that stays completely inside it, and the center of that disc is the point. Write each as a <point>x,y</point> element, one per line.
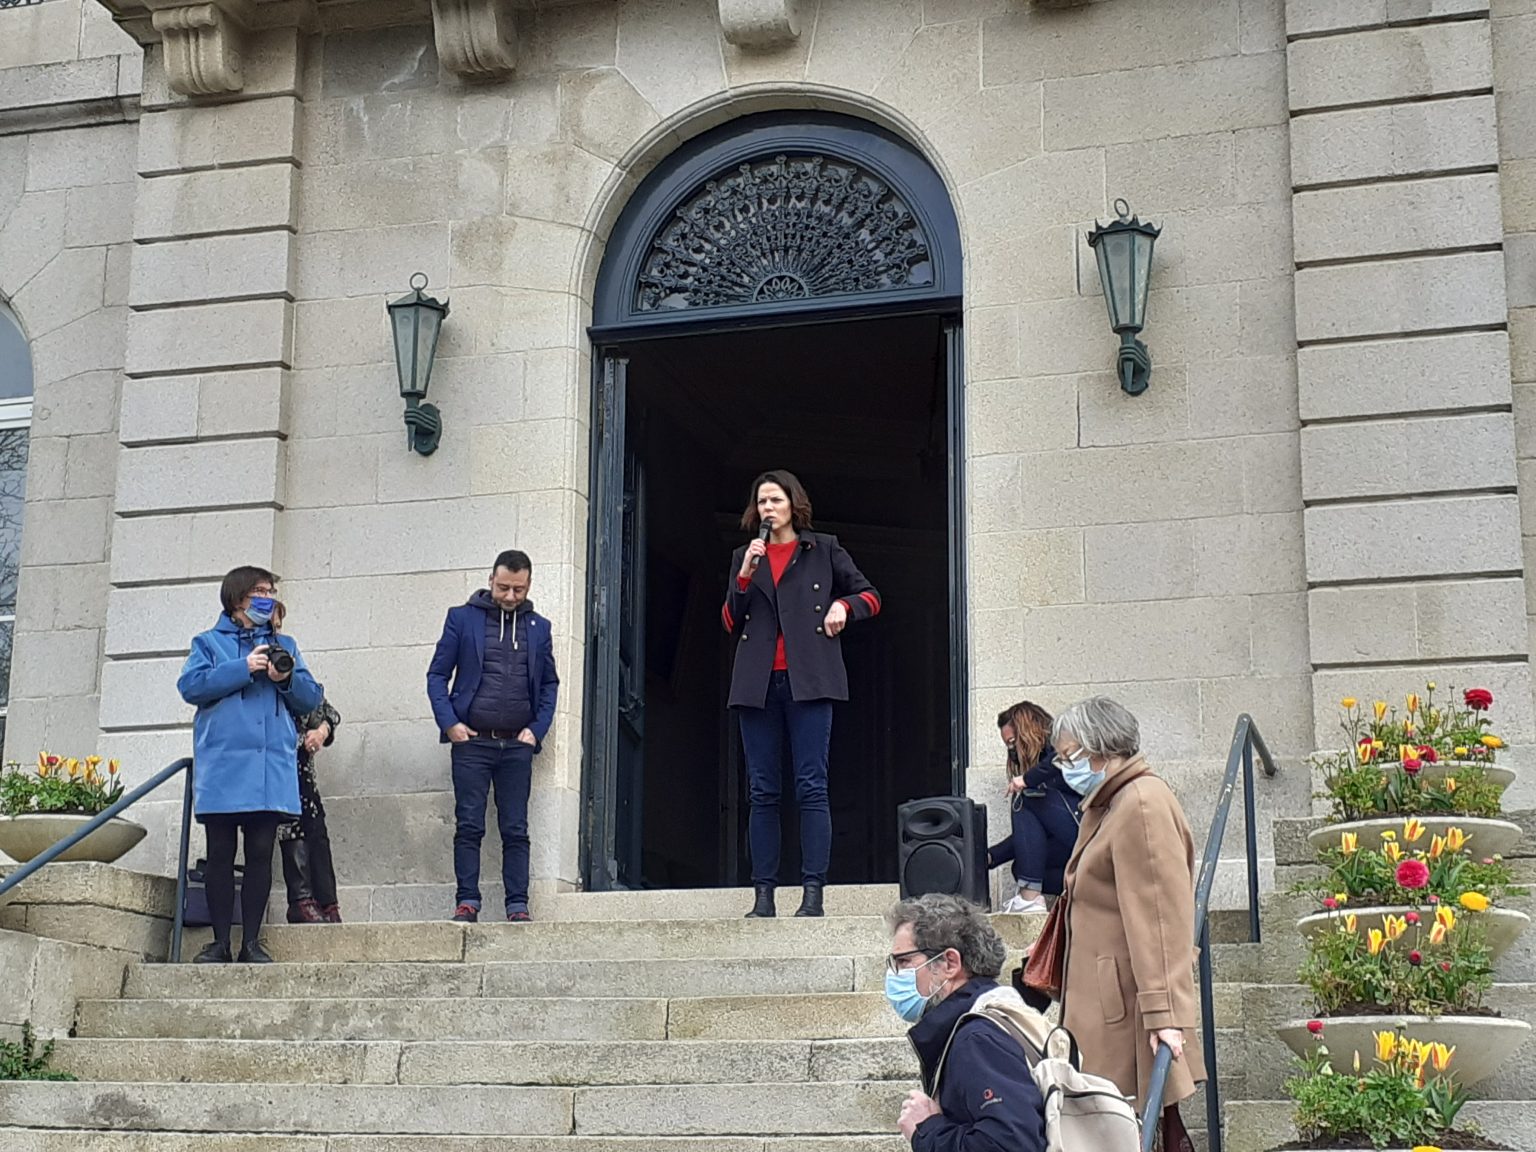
<point>1449,1141</point>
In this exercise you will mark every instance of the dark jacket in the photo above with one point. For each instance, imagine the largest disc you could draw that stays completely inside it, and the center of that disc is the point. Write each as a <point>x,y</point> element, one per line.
<point>504,699</point>
<point>325,714</point>
<point>460,657</point>
<point>989,1099</point>
<point>820,572</point>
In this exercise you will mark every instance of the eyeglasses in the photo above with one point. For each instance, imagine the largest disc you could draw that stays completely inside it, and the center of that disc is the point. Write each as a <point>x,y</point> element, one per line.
<point>264,590</point>
<point>895,960</point>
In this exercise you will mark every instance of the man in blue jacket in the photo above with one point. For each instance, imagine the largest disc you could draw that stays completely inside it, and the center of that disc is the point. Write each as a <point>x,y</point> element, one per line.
<point>499,656</point>
<point>978,1094</point>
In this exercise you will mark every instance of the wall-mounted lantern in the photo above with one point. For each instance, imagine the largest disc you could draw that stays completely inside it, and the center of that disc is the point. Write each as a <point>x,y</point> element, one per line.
<point>1124,251</point>
<point>416,322</point>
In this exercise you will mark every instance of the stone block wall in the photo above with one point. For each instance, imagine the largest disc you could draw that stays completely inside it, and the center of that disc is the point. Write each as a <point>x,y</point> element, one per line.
<point>1410,461</point>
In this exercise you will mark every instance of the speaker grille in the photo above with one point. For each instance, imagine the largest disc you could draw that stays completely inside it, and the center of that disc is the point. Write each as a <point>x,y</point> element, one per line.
<point>934,868</point>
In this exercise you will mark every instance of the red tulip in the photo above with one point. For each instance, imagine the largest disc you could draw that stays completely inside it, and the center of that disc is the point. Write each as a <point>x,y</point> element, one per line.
<point>1315,1027</point>
<point>1415,958</point>
<point>1445,965</point>
<point>1412,917</point>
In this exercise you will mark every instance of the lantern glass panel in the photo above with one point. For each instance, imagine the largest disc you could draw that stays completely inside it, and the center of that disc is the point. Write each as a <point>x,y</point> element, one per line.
<point>404,319</point>
<point>429,325</point>
<point>1141,270</point>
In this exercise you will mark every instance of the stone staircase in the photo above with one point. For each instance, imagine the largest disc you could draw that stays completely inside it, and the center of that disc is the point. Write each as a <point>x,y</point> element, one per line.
<point>696,1032</point>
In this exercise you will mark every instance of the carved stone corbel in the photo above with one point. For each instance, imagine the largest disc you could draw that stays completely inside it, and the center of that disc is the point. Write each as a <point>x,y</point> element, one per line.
<point>760,23</point>
<point>204,48</point>
<point>475,38</point>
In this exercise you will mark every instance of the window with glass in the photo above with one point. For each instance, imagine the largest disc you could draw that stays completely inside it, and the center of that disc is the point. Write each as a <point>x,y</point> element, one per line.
<point>15,420</point>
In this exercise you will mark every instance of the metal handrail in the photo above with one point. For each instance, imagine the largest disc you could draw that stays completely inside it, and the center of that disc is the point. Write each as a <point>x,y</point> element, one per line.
<point>54,851</point>
<point>1245,739</point>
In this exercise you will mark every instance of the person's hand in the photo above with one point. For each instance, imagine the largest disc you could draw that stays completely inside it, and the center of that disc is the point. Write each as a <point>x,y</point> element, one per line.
<point>460,733</point>
<point>1015,785</point>
<point>1173,1037</point>
<point>257,662</point>
<point>755,552</point>
<point>315,738</point>
<point>275,676</point>
<point>837,618</point>
<point>527,737</point>
<point>914,1110</point>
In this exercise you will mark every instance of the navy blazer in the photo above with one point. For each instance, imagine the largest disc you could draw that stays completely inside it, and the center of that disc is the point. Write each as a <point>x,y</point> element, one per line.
<point>460,656</point>
<point>820,573</point>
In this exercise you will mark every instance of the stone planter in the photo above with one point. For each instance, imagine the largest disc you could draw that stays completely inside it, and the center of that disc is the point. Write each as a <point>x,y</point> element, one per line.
<point>1503,925</point>
<point>1485,837</point>
<point>1483,1043</point>
<point>23,837</point>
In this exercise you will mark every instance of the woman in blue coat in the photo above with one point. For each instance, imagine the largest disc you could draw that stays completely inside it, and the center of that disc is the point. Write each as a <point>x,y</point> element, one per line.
<point>248,683</point>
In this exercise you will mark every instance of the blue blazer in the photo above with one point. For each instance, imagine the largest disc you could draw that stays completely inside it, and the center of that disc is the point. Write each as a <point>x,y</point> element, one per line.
<point>460,657</point>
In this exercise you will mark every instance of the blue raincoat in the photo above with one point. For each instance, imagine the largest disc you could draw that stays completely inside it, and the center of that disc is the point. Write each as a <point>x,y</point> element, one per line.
<point>244,738</point>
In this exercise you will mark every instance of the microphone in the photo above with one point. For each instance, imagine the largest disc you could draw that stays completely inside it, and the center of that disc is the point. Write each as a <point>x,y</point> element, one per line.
<point>763,532</point>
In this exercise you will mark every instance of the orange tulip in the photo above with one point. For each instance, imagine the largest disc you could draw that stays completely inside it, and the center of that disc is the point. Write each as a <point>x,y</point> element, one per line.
<point>1413,703</point>
<point>1395,926</point>
<point>1441,1055</point>
<point>1450,783</point>
<point>1380,707</point>
<point>1349,843</point>
<point>1437,934</point>
<point>112,767</point>
<point>1437,847</point>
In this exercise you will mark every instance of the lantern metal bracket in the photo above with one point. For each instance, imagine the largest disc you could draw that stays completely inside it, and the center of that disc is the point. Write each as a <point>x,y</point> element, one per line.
<point>1135,365</point>
<point>424,426</point>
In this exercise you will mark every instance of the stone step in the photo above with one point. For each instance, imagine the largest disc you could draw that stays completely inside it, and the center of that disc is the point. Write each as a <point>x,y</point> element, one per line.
<point>442,941</point>
<point>81,1140</point>
<point>1259,1125</point>
<point>565,1064</point>
<point>728,976</point>
<point>840,1108</point>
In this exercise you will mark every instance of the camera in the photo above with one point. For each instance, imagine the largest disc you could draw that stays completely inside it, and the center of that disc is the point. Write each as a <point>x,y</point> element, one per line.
<point>280,660</point>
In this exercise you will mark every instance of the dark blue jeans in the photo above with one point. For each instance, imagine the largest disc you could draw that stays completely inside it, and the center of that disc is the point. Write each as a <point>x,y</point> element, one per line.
<point>1044,834</point>
<point>478,766</point>
<point>809,726</point>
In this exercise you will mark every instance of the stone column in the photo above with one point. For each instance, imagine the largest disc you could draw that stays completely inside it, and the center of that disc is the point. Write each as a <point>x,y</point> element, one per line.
<point>1413,544</point>
<point>203,418</point>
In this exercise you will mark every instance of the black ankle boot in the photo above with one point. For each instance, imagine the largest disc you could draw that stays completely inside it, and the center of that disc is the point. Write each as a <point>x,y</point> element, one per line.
<point>762,906</point>
<point>810,900</point>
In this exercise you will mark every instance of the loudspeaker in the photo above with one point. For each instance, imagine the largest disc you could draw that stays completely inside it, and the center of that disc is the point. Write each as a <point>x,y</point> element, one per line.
<point>941,845</point>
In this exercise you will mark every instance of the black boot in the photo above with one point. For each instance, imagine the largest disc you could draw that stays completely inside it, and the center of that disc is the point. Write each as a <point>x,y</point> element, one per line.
<point>762,906</point>
<point>810,900</point>
<point>296,879</point>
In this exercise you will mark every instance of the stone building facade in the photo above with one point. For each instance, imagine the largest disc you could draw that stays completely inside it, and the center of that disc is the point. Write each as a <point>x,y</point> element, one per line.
<point>1327,490</point>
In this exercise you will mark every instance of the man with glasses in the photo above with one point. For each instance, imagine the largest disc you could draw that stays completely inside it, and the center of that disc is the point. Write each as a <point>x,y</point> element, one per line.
<point>978,1093</point>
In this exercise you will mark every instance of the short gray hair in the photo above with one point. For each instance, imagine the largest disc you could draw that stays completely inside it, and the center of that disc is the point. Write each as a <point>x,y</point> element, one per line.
<point>1101,726</point>
<point>940,922</point>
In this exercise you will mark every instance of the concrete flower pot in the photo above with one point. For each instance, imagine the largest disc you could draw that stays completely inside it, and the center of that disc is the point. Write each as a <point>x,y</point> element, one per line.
<point>1498,775</point>
<point>1483,1043</point>
<point>23,837</point>
<point>1484,837</point>
<point>1503,925</point>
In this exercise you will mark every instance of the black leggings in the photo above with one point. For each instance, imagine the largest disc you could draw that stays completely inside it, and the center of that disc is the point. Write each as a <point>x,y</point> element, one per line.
<point>256,887</point>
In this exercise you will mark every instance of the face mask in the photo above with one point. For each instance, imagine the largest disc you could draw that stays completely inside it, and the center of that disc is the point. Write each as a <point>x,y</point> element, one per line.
<point>260,610</point>
<point>904,998</point>
<point>1080,776</point>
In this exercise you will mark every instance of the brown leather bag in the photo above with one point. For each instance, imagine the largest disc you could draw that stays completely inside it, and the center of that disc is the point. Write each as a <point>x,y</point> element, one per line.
<point>1046,967</point>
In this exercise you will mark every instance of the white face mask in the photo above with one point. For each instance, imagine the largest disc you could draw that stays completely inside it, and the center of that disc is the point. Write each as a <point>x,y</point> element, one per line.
<point>1079,774</point>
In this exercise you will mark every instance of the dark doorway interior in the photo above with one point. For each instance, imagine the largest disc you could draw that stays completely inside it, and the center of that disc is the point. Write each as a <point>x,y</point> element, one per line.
<point>858,410</point>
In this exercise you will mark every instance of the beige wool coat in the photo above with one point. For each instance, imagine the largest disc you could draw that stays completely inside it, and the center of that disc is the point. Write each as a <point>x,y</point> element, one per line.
<point>1130,957</point>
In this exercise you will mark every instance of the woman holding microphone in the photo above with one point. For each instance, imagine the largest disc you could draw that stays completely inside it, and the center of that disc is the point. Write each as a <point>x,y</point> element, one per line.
<point>787,615</point>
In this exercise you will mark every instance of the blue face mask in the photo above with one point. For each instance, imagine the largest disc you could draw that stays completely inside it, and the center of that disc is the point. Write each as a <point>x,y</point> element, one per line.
<point>1079,775</point>
<point>259,611</point>
<point>902,994</point>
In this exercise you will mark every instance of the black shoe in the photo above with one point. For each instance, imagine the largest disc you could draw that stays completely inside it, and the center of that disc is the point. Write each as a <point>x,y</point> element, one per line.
<point>466,914</point>
<point>251,952</point>
<point>810,900</point>
<point>214,953</point>
<point>762,906</point>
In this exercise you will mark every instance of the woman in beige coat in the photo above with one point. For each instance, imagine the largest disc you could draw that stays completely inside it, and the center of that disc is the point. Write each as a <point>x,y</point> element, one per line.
<point>1129,887</point>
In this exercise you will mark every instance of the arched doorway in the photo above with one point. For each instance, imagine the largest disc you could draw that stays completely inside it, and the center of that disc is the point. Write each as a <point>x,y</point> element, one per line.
<point>782,291</point>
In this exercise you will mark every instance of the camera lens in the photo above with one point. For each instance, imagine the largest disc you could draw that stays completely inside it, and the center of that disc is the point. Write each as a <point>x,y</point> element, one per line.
<point>280,661</point>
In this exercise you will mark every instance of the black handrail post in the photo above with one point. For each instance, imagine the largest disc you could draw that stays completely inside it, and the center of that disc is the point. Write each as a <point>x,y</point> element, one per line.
<point>1208,1038</point>
<point>1157,1086</point>
<point>181,865</point>
<point>1251,830</point>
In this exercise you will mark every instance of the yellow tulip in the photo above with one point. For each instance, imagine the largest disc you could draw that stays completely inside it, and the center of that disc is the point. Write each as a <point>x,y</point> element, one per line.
<point>1427,1148</point>
<point>1406,752</point>
<point>42,762</point>
<point>1442,1056</point>
<point>1348,703</point>
<point>1413,703</point>
<point>92,761</point>
<point>1450,783</point>
<point>1492,742</point>
<point>1413,829</point>
<point>74,768</point>
<point>1380,708</point>
<point>1377,941</point>
<point>1474,902</point>
<point>1393,851</point>
<point>1445,915</point>
<point>1341,897</point>
<point>1349,843</point>
<point>1430,685</point>
<point>1388,834</point>
<point>1437,847</point>
<point>113,767</point>
<point>1455,839</point>
<point>1395,926</point>
<point>1460,750</point>
<point>1437,934</point>
<point>1351,922</point>
<point>1357,1060</point>
<point>1386,1046</point>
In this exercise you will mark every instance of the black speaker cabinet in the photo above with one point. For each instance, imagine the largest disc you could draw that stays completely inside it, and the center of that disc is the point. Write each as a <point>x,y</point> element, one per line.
<point>942,847</point>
